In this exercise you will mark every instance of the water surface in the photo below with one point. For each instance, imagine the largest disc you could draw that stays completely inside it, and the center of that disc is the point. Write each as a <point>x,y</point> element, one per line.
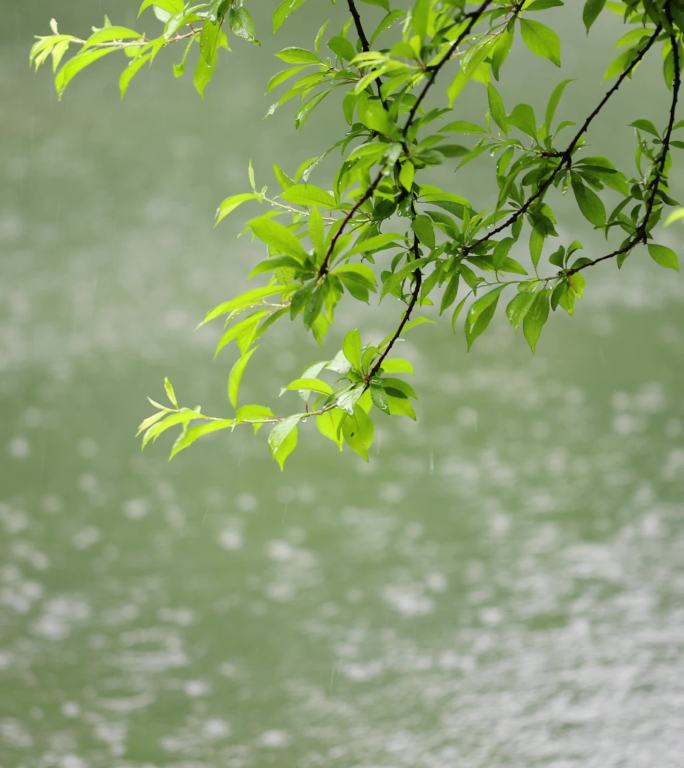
<point>501,586</point>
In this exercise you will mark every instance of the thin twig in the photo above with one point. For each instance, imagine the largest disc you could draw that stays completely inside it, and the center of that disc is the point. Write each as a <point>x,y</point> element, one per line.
<point>417,283</point>
<point>323,269</point>
<point>365,45</point>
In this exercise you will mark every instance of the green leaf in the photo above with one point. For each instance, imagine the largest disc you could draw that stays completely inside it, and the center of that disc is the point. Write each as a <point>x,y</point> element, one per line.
<point>308,195</point>
<point>111,34</point>
<point>242,24</point>
<point>518,307</point>
<point>235,376</point>
<point>592,8</point>
<point>243,301</point>
<point>342,47</point>
<point>589,203</point>
<point>664,256</point>
<point>183,417</point>
<point>552,104</point>
<point>233,202</point>
<point>406,175</point>
<point>535,318</point>
<point>256,415</point>
<point>646,125</point>
<point>310,385</point>
<point>374,116</point>
<point>677,215</point>
<point>172,7</point>
<point>536,246</point>
<point>283,439</point>
<point>243,332</point>
<point>422,226</point>
<point>397,365</point>
<point>358,432</point>
<point>298,56</point>
<point>131,71</point>
<point>277,237</point>
<point>317,231</point>
<point>190,436</point>
<point>480,314</point>
<point>362,271</point>
<point>523,118</point>
<point>352,348</point>
<point>75,65</point>
<point>376,242</point>
<point>170,393</point>
<point>541,40</point>
<point>496,108</point>
<point>209,41</point>
<point>283,11</point>
<point>330,425</point>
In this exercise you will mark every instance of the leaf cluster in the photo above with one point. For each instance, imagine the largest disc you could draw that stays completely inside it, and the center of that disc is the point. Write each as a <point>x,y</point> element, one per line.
<point>379,227</point>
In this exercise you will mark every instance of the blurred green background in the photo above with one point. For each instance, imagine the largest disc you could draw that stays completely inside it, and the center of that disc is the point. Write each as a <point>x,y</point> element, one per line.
<point>501,586</point>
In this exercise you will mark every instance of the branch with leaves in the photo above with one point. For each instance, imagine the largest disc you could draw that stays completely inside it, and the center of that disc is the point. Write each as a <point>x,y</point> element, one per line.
<point>380,227</point>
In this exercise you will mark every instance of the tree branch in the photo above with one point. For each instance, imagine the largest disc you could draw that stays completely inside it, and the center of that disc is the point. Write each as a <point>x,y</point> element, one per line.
<point>641,234</point>
<point>358,24</point>
<point>415,293</point>
<point>566,154</point>
<point>365,45</point>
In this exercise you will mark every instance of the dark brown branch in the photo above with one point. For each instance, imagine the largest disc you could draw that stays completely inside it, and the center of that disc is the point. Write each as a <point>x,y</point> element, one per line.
<point>415,293</point>
<point>323,269</point>
<point>358,24</point>
<point>566,154</point>
<point>365,44</point>
<point>473,18</point>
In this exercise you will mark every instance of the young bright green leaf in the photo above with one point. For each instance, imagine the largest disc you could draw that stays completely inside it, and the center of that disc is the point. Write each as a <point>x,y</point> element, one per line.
<point>283,439</point>
<point>373,115</point>
<point>295,55</point>
<point>310,385</point>
<point>358,432</point>
<point>233,202</point>
<point>308,195</point>
<point>352,348</point>
<point>170,393</point>
<point>277,237</point>
<point>191,435</point>
<point>397,365</point>
<point>75,65</point>
<point>677,215</point>
<point>283,11</point>
<point>406,175</point>
<point>255,415</point>
<point>330,425</point>
<point>235,376</point>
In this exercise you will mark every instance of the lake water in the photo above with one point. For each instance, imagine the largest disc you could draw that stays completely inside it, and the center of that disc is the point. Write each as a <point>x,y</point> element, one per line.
<point>502,585</point>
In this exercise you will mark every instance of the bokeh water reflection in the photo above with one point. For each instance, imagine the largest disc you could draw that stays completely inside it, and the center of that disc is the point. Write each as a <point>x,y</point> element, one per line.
<point>501,586</point>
